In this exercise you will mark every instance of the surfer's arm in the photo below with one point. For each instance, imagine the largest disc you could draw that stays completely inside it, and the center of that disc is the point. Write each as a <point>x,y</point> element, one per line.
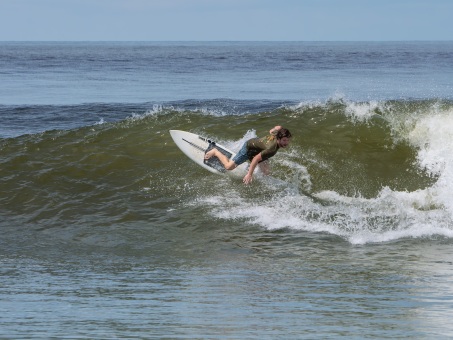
<point>249,177</point>
<point>275,129</point>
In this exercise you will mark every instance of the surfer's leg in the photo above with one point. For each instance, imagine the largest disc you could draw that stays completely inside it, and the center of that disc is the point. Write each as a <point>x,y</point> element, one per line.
<point>210,153</point>
<point>227,163</point>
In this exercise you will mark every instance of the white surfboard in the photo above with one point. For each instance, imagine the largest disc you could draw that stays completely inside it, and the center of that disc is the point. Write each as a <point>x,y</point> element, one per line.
<point>195,147</point>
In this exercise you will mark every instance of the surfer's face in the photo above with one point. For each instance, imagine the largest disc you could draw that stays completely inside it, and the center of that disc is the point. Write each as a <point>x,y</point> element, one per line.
<point>283,142</point>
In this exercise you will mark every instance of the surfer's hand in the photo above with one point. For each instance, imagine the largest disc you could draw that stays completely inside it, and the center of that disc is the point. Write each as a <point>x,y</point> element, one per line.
<point>247,179</point>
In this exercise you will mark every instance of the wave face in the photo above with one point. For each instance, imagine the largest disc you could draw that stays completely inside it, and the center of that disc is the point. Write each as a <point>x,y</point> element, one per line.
<point>371,171</point>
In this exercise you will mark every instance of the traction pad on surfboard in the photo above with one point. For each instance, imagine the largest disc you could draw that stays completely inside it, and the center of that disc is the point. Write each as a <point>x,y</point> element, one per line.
<point>214,162</point>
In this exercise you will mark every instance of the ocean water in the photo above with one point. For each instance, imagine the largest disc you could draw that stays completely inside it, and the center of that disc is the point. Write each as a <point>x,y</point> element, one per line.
<point>109,231</point>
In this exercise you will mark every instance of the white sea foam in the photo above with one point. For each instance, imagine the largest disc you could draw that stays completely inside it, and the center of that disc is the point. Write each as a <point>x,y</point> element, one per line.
<point>101,121</point>
<point>392,215</point>
<point>433,136</point>
<point>236,145</point>
<point>362,111</point>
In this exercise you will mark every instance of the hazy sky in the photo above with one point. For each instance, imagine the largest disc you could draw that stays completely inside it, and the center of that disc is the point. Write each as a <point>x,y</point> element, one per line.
<point>181,20</point>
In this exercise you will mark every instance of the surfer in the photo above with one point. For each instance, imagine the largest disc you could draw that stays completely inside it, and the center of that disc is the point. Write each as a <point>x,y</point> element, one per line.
<point>255,150</point>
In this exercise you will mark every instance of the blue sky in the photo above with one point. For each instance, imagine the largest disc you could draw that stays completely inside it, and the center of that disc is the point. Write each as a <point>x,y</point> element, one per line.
<point>205,20</point>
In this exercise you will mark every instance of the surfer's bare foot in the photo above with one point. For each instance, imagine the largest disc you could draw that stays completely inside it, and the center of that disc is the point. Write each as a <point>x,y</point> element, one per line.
<point>209,154</point>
